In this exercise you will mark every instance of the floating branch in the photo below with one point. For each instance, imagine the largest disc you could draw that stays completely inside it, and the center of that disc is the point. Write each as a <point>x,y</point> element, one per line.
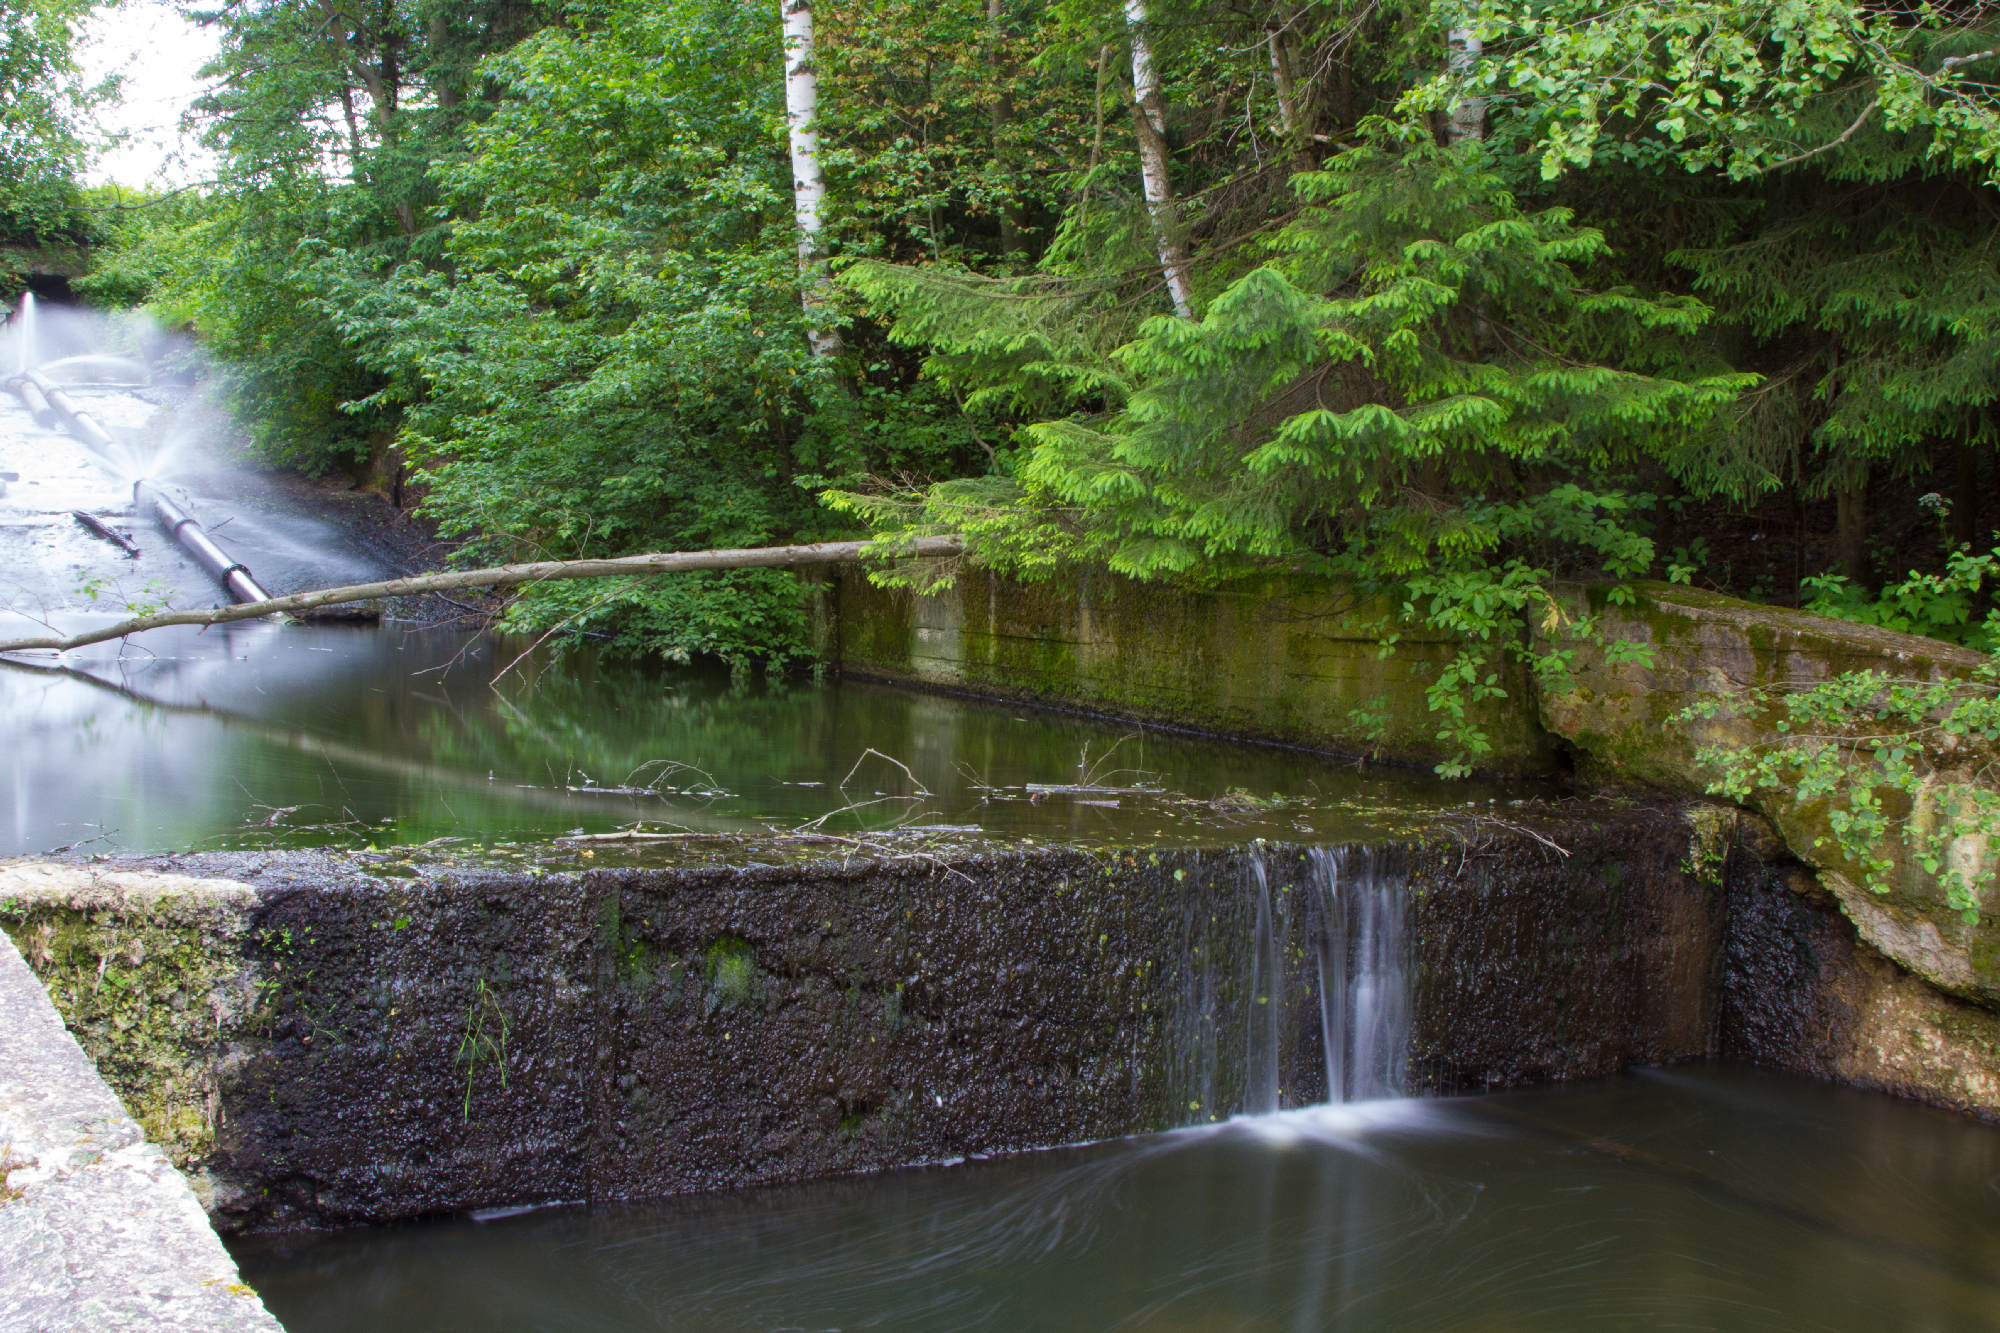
<point>105,530</point>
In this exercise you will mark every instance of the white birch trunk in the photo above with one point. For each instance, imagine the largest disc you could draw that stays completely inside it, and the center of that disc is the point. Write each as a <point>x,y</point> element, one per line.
<point>1281,77</point>
<point>1151,122</point>
<point>1468,115</point>
<point>808,182</point>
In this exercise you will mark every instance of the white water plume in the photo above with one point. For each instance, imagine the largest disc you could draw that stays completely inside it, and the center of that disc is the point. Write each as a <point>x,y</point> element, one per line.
<point>1364,986</point>
<point>21,331</point>
<point>1294,986</point>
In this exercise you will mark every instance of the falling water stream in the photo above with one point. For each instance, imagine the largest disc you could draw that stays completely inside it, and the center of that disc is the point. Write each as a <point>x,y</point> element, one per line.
<point>25,339</point>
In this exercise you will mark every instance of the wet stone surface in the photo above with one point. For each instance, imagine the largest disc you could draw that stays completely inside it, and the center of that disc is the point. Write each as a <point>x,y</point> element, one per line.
<point>428,1037</point>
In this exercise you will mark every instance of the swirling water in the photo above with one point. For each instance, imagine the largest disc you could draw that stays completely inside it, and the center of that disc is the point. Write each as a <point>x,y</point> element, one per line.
<point>1703,1198</point>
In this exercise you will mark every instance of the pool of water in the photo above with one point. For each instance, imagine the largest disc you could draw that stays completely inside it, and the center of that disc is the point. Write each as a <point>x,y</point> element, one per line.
<point>1707,1198</point>
<point>261,734</point>
<point>257,734</point>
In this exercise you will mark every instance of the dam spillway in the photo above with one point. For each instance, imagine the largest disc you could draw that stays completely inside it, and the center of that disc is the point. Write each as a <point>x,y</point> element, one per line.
<point>530,952</point>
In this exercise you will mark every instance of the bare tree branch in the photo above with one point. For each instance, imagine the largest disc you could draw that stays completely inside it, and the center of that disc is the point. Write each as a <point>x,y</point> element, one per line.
<point>501,576</point>
<point>1830,144</point>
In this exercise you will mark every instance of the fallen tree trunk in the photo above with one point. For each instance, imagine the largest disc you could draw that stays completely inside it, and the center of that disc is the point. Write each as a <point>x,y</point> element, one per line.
<point>501,576</point>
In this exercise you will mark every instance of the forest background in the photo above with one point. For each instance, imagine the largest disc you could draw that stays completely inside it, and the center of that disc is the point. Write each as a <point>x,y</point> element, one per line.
<point>1448,300</point>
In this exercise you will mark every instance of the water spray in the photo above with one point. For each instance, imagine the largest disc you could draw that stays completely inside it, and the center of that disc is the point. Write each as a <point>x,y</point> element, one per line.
<point>194,539</point>
<point>50,404</point>
<point>24,332</point>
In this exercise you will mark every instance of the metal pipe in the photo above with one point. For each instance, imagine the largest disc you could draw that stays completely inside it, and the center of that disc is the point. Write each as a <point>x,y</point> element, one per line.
<point>79,421</point>
<point>38,406</point>
<point>232,575</point>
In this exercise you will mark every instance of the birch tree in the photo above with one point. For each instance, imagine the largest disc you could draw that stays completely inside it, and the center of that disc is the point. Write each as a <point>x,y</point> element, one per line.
<point>808,180</point>
<point>1150,122</point>
<point>1281,79</point>
<point>1467,118</point>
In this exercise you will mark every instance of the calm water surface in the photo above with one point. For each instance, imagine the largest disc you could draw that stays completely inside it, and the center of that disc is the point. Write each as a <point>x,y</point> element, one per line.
<point>1714,1199</point>
<point>258,734</point>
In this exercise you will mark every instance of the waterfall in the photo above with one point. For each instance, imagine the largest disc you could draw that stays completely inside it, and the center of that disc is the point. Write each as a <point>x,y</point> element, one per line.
<point>1364,986</point>
<point>24,335</point>
<point>1293,984</point>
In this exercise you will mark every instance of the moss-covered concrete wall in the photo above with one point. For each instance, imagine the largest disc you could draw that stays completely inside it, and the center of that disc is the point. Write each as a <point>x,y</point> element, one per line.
<point>153,974</point>
<point>1706,646</point>
<point>1277,658</point>
<point>1296,660</point>
<point>421,1038</point>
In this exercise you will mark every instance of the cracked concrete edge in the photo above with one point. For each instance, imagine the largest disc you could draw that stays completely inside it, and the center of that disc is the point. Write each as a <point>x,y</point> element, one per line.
<point>168,897</point>
<point>98,1232</point>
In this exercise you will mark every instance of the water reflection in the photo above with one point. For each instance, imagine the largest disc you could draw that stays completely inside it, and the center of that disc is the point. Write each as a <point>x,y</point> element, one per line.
<point>251,733</point>
<point>1719,1199</point>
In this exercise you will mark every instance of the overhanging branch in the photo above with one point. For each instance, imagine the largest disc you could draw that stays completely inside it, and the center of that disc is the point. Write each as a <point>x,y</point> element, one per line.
<point>502,576</point>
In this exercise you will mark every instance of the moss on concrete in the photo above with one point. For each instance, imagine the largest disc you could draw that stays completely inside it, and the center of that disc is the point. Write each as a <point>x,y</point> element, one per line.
<point>149,973</point>
<point>1705,645</point>
<point>1280,657</point>
<point>1295,659</point>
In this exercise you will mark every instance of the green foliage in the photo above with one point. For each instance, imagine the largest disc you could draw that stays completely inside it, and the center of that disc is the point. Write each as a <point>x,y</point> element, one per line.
<point>567,299</point>
<point>1917,760</point>
<point>483,1039</point>
<point>1938,606</point>
<point>615,359</point>
<point>1823,171</point>
<point>1729,87</point>
<point>1373,400</point>
<point>44,139</point>
<point>546,256</point>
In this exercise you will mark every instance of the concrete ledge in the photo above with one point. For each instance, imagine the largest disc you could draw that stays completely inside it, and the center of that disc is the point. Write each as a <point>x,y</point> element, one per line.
<point>98,1232</point>
<point>427,1035</point>
<point>1283,658</point>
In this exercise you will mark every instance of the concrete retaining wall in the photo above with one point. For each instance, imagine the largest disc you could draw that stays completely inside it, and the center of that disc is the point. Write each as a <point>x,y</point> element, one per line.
<point>1281,658</point>
<point>428,1037</point>
<point>1296,660</point>
<point>98,1232</point>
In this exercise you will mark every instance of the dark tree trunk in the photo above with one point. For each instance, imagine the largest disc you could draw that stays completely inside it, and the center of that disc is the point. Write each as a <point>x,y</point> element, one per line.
<point>1665,529</point>
<point>1853,534</point>
<point>1965,529</point>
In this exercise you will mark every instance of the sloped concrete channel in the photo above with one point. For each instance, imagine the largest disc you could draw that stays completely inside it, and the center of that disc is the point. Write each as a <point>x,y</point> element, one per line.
<point>359,1040</point>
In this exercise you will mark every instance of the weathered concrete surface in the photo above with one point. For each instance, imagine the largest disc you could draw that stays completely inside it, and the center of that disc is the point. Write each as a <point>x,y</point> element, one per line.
<point>1582,959</point>
<point>431,1037</point>
<point>1707,646</point>
<point>98,1232</point>
<point>148,970</point>
<point>1295,659</point>
<point>1803,992</point>
<point>1281,658</point>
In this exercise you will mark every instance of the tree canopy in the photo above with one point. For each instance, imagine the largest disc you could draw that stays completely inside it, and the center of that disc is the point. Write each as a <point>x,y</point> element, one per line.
<point>44,135</point>
<point>1447,299</point>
